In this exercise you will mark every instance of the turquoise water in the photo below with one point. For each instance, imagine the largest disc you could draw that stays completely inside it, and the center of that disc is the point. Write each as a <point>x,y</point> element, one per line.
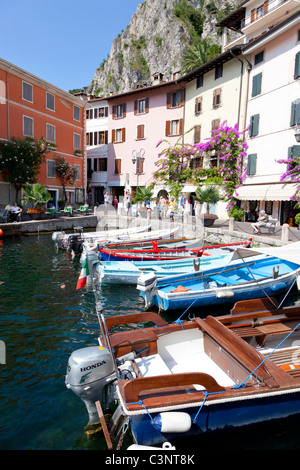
<point>42,320</point>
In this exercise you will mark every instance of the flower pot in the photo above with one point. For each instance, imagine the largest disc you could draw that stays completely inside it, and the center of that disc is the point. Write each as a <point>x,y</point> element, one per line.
<point>209,222</point>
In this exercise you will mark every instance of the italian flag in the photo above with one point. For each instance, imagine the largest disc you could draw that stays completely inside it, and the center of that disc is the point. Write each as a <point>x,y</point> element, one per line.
<point>84,273</point>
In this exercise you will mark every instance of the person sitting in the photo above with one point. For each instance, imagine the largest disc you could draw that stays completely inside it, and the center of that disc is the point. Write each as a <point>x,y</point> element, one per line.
<point>16,213</point>
<point>261,222</point>
<point>7,212</point>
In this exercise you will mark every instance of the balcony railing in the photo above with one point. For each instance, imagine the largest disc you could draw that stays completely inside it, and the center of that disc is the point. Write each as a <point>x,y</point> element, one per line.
<point>258,13</point>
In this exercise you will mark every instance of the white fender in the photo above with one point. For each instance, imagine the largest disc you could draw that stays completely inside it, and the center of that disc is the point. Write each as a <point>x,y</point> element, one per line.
<point>172,421</point>
<point>165,446</point>
<point>224,293</point>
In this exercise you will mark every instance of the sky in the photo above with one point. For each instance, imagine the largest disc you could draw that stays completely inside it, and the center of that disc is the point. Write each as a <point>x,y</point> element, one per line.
<point>61,41</point>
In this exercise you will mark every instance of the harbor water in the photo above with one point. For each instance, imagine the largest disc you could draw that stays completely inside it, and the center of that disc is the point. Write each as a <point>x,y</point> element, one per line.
<point>43,319</point>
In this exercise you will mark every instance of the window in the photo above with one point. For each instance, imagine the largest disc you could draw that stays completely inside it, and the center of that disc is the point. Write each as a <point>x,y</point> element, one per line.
<point>199,82</point>
<point>196,162</point>
<point>119,111</point>
<point>215,124</point>
<point>256,85</point>
<point>76,141</point>
<point>89,114</point>
<point>174,127</point>
<point>198,105</point>
<point>76,113</point>
<point>218,71</point>
<point>100,164</point>
<point>118,135</point>
<point>89,138</point>
<point>141,106</point>
<point>27,92</point>
<point>217,98</point>
<point>197,134</point>
<point>254,125</point>
<point>77,168</point>
<point>118,166</point>
<point>251,164</point>
<point>295,112</point>
<point>27,126</point>
<point>175,99</point>
<point>140,131</point>
<point>50,133</point>
<point>297,65</point>
<point>50,169</point>
<point>50,101</point>
<point>103,112</point>
<point>259,58</point>
<point>102,137</point>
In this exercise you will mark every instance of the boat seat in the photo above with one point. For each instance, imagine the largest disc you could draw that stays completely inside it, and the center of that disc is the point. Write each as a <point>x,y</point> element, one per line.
<point>153,365</point>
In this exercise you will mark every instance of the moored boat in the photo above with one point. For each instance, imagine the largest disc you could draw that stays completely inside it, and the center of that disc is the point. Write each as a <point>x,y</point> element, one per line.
<point>263,275</point>
<point>190,377</point>
<point>173,253</point>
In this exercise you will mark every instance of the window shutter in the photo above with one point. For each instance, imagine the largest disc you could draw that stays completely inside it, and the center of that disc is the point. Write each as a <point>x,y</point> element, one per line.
<point>169,100</point>
<point>180,126</point>
<point>124,110</point>
<point>113,135</point>
<point>105,137</point>
<point>254,124</point>
<point>256,84</point>
<point>135,106</point>
<point>181,97</point>
<point>295,112</point>
<point>252,15</point>
<point>197,130</point>
<point>297,65</point>
<point>147,105</point>
<point>114,111</point>
<point>251,164</point>
<point>106,111</point>
<point>198,105</point>
<point>117,166</point>
<point>266,6</point>
<point>168,128</point>
<point>123,134</point>
<point>294,151</point>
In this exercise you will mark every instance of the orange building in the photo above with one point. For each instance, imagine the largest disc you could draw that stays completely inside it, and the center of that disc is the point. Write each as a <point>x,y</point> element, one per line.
<point>31,107</point>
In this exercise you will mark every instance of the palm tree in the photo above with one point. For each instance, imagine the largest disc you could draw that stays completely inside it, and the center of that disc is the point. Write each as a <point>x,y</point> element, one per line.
<point>198,53</point>
<point>143,194</point>
<point>35,194</point>
<point>208,195</point>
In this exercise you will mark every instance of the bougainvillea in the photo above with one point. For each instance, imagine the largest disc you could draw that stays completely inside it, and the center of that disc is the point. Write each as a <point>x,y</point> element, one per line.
<point>293,173</point>
<point>226,144</point>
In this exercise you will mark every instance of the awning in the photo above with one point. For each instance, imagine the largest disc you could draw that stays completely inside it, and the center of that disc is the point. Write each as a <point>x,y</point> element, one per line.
<point>266,192</point>
<point>189,188</point>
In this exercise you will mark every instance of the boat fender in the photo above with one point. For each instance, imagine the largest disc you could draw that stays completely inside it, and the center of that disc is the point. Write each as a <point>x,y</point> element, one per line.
<point>298,282</point>
<point>172,421</point>
<point>227,293</point>
<point>165,446</point>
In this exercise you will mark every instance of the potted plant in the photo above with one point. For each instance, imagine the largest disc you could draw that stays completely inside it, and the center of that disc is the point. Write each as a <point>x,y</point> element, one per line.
<point>37,196</point>
<point>208,195</point>
<point>236,213</point>
<point>143,195</point>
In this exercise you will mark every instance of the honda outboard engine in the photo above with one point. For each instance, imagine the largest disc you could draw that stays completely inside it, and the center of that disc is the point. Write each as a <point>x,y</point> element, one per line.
<point>89,371</point>
<point>75,243</point>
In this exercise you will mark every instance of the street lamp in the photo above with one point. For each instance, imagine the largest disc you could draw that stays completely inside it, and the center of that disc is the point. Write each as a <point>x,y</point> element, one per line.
<point>137,158</point>
<point>297,131</point>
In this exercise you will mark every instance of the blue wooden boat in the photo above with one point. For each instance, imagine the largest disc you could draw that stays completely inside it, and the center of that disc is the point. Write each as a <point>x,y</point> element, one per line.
<point>128,272</point>
<point>260,277</point>
<point>190,377</point>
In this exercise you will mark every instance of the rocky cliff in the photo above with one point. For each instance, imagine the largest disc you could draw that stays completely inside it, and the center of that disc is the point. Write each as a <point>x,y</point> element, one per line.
<point>159,33</point>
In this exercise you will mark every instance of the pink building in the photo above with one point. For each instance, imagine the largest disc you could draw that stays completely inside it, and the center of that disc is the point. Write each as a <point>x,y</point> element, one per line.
<point>137,121</point>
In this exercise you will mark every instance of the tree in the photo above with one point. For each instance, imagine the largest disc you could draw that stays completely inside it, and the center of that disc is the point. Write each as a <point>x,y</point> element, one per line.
<point>36,194</point>
<point>66,172</point>
<point>198,53</point>
<point>143,194</point>
<point>20,160</point>
<point>208,195</point>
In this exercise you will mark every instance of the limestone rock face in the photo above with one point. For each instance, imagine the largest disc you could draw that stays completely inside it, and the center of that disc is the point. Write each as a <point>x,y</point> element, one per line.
<point>153,42</point>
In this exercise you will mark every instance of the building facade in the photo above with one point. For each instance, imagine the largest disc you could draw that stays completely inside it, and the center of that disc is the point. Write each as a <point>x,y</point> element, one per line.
<point>31,107</point>
<point>269,34</point>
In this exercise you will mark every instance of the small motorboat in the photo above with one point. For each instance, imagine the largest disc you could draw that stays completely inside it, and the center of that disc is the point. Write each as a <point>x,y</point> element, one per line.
<point>175,380</point>
<point>262,275</point>
<point>74,241</point>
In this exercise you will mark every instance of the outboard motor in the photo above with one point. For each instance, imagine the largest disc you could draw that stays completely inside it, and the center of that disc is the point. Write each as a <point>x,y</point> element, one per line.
<point>75,243</point>
<point>89,371</point>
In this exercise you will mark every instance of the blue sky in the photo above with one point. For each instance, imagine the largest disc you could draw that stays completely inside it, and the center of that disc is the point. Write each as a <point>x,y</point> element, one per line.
<point>61,41</point>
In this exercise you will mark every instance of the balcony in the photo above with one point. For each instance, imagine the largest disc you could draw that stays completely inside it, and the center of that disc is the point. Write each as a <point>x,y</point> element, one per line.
<point>267,15</point>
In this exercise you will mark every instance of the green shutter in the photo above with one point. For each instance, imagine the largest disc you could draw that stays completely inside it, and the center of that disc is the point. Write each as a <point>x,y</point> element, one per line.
<point>254,124</point>
<point>256,84</point>
<point>251,164</point>
<point>295,112</point>
<point>297,65</point>
<point>296,151</point>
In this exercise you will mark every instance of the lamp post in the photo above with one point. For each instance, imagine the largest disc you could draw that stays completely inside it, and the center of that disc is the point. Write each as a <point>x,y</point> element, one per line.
<point>138,157</point>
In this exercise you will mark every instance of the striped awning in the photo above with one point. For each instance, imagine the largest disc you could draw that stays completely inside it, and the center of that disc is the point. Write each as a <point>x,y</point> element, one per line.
<point>266,192</point>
